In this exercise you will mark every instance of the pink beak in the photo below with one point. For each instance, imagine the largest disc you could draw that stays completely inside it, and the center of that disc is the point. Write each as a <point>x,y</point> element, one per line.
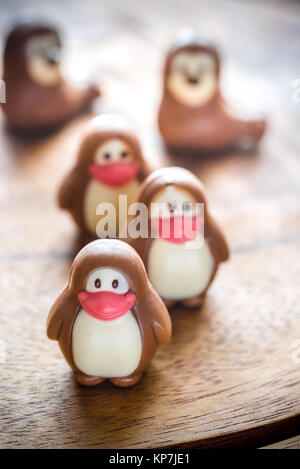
<point>114,174</point>
<point>106,305</point>
<point>177,229</point>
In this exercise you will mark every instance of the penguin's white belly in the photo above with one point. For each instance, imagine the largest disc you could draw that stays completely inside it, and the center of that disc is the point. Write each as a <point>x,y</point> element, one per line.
<point>108,349</point>
<point>97,193</point>
<point>179,273</point>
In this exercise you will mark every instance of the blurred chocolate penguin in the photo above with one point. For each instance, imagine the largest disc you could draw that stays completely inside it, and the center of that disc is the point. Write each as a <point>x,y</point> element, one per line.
<point>184,246</point>
<point>110,163</point>
<point>37,96</point>
<point>108,320</point>
<point>193,114</point>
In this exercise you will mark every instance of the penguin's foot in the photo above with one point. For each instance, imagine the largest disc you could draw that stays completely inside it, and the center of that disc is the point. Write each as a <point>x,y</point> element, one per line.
<point>126,382</point>
<point>86,380</point>
<point>193,303</point>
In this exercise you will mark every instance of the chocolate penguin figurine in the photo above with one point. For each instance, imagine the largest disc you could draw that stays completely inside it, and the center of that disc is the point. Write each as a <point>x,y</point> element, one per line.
<point>109,164</point>
<point>184,246</point>
<point>37,96</point>
<point>108,320</point>
<point>193,114</point>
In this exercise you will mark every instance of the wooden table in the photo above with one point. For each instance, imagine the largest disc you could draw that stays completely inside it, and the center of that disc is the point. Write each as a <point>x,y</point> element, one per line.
<point>231,375</point>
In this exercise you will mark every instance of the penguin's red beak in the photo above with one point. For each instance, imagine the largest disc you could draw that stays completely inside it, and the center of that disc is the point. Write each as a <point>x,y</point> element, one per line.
<point>177,229</point>
<point>114,174</point>
<point>106,305</point>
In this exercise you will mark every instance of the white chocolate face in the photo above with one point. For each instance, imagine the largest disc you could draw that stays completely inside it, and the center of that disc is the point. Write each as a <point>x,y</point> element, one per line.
<point>43,59</point>
<point>115,150</point>
<point>107,279</point>
<point>172,199</point>
<point>192,79</point>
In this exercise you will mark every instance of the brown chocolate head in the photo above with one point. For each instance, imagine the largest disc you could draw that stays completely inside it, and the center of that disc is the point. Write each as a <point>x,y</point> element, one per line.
<point>32,51</point>
<point>38,98</point>
<point>176,177</point>
<point>192,69</point>
<point>148,309</point>
<point>116,255</point>
<point>105,129</point>
<point>193,115</point>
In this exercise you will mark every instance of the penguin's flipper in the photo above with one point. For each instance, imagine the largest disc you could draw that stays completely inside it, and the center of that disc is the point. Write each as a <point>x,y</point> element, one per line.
<point>161,325</point>
<point>68,191</point>
<point>54,325</point>
<point>66,303</point>
<point>217,241</point>
<point>162,332</point>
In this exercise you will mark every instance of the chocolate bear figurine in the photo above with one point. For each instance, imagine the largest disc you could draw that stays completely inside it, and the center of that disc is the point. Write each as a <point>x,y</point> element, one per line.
<point>184,246</point>
<point>193,114</point>
<point>108,321</point>
<point>37,96</point>
<point>109,164</point>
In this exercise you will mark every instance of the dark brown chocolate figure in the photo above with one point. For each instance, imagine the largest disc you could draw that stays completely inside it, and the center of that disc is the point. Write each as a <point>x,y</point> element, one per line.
<point>185,245</point>
<point>109,164</point>
<point>37,96</point>
<point>193,114</point>
<point>108,321</point>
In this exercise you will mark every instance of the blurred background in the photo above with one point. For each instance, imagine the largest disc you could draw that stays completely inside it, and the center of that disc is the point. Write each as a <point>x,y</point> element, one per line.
<point>122,46</point>
<point>257,39</point>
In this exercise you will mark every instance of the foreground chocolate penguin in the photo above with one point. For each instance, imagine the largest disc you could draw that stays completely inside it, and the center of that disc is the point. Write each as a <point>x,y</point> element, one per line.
<point>109,164</point>
<point>193,114</point>
<point>108,321</point>
<point>37,96</point>
<point>181,263</point>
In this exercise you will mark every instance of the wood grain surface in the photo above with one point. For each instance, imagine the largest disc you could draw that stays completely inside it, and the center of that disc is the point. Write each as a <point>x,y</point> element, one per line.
<point>231,375</point>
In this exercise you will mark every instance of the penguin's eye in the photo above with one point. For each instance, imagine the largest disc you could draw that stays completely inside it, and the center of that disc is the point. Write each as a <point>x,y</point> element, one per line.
<point>172,207</point>
<point>43,57</point>
<point>107,279</point>
<point>125,153</point>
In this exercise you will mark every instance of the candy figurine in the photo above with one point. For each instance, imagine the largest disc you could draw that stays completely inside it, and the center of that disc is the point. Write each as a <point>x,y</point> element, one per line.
<point>109,320</point>
<point>37,96</point>
<point>109,164</point>
<point>193,114</point>
<point>184,246</point>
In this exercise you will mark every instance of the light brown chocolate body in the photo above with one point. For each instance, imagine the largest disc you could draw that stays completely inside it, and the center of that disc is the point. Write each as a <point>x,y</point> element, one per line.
<point>213,235</point>
<point>149,311</point>
<point>72,190</point>
<point>30,106</point>
<point>211,126</point>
